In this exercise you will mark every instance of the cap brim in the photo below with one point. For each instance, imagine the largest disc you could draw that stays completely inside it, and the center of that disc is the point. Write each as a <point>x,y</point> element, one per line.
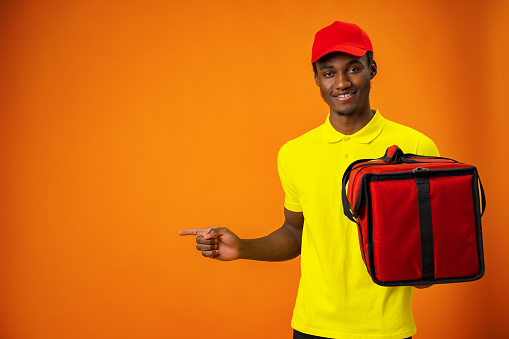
<point>349,49</point>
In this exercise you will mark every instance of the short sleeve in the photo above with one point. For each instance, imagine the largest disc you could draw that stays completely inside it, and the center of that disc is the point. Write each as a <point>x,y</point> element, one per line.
<point>286,176</point>
<point>427,147</point>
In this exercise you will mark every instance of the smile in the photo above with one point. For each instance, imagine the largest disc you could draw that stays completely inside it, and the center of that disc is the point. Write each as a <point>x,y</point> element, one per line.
<point>343,96</point>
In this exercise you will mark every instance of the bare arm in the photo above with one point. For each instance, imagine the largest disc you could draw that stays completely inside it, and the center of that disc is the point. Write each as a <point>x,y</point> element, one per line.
<point>282,244</point>
<point>222,244</point>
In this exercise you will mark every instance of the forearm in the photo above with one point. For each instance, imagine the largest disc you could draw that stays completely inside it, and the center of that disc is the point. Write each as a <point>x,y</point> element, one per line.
<point>282,244</point>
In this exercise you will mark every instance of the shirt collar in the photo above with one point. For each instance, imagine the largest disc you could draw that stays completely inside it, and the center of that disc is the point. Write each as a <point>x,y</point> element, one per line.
<point>367,134</point>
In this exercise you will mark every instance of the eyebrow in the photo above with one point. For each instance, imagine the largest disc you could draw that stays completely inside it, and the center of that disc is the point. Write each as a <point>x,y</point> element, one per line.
<point>326,67</point>
<point>354,61</point>
<point>349,63</point>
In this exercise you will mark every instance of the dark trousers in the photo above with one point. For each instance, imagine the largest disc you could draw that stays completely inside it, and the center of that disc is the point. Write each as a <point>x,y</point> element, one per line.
<point>300,335</point>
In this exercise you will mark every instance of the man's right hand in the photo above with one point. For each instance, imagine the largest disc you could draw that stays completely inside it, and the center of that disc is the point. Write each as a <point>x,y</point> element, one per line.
<point>215,242</point>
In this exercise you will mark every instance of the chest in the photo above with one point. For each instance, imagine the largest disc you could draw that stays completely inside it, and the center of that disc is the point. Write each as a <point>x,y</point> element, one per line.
<point>319,170</point>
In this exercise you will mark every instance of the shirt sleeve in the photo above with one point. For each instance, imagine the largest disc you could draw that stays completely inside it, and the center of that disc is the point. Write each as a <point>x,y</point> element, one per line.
<point>427,147</point>
<point>285,175</point>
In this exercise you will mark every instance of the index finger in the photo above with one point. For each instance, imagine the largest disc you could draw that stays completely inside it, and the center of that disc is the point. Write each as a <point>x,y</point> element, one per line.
<point>195,231</point>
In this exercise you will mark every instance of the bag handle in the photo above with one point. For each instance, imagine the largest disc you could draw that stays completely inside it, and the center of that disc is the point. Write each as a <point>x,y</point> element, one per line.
<point>346,177</point>
<point>394,154</point>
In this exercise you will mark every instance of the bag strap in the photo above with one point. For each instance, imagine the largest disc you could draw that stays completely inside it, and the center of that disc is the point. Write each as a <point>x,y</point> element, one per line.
<point>425,222</point>
<point>393,154</point>
<point>346,177</point>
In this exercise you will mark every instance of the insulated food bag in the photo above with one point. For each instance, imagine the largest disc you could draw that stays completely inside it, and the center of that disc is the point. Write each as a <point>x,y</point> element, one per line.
<point>418,217</point>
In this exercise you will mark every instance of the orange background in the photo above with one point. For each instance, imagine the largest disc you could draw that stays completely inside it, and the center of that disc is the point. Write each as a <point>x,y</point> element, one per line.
<point>125,121</point>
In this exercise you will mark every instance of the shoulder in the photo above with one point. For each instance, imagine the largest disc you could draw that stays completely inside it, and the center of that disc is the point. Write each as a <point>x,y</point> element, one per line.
<point>304,141</point>
<point>394,127</point>
<point>415,141</point>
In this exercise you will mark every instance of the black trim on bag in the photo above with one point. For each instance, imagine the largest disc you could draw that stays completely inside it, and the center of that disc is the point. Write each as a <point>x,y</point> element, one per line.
<point>479,207</point>
<point>432,173</point>
<point>427,282</point>
<point>369,229</point>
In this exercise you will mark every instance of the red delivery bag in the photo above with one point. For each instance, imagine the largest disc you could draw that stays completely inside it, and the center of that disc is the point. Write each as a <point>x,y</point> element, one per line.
<point>418,217</point>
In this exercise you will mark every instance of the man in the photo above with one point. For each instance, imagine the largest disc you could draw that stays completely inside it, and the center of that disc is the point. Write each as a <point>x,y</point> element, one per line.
<point>336,297</point>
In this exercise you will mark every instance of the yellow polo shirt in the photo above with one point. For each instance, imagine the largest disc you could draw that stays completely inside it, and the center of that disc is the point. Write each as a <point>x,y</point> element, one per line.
<point>336,297</point>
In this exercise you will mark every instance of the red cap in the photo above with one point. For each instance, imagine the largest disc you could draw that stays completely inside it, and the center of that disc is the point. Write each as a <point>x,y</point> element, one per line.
<point>340,37</point>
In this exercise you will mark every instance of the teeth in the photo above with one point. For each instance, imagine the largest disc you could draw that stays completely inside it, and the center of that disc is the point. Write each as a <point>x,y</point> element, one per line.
<point>344,95</point>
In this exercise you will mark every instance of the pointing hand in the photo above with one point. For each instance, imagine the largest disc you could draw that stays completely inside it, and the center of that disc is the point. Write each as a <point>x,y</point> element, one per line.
<point>215,242</point>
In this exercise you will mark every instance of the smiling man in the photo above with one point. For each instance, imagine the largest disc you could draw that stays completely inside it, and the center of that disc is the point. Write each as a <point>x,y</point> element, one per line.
<point>336,297</point>
<point>345,82</point>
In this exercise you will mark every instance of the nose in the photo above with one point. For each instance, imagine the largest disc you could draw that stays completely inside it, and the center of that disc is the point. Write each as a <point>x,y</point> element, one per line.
<point>342,81</point>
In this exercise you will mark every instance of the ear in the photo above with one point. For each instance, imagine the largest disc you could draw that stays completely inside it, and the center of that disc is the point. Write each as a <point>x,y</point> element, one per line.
<point>373,69</point>
<point>316,80</point>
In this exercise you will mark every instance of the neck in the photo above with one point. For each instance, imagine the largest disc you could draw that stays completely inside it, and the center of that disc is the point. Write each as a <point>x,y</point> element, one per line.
<point>350,123</point>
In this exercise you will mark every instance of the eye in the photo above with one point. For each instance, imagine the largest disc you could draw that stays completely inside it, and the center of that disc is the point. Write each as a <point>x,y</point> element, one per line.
<point>327,74</point>
<point>353,69</point>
